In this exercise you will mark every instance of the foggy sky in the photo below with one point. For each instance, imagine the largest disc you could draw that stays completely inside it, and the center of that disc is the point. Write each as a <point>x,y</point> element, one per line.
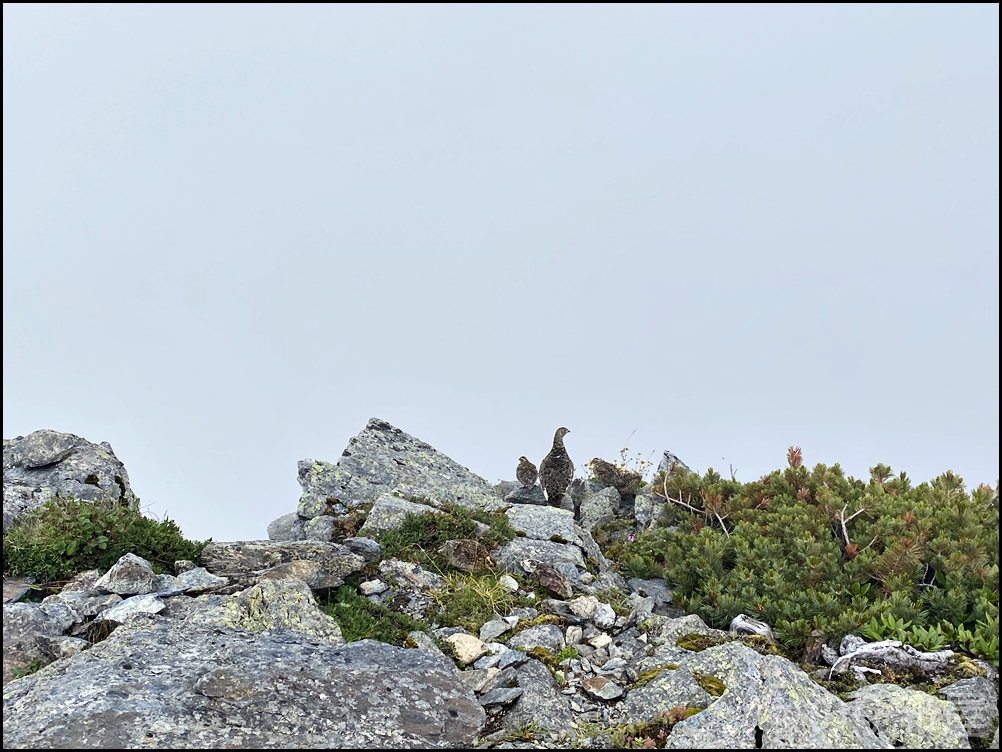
<point>233,234</point>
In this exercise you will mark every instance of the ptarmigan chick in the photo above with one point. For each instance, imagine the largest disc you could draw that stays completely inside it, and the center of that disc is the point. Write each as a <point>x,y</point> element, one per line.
<point>526,473</point>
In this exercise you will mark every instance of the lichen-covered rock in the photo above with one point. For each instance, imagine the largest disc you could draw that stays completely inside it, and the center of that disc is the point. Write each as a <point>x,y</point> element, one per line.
<point>200,580</point>
<point>541,706</point>
<point>383,459</point>
<point>245,561</point>
<point>281,604</point>
<point>598,508</point>
<point>288,527</point>
<point>767,702</point>
<point>389,511</point>
<point>665,688</point>
<point>161,684</point>
<point>666,631</point>
<point>319,528</point>
<point>522,495</point>
<point>545,524</point>
<point>513,554</point>
<point>910,718</point>
<point>548,636</point>
<point>130,575</point>
<point>647,509</point>
<point>27,637</point>
<point>45,463</point>
<point>409,575</point>
<point>137,604</point>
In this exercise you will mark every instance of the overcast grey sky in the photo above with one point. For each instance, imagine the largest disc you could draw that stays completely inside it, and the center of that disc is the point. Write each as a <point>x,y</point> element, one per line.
<point>231,235</point>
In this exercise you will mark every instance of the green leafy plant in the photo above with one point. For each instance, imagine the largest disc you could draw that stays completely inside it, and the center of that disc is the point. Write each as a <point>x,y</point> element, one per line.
<point>67,536</point>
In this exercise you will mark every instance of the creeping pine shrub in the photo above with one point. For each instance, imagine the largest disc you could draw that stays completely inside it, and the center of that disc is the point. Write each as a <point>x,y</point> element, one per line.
<point>67,536</point>
<point>814,549</point>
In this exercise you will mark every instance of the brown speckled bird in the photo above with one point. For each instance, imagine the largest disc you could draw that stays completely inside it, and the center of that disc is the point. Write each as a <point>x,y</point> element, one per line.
<point>526,473</point>
<point>556,470</point>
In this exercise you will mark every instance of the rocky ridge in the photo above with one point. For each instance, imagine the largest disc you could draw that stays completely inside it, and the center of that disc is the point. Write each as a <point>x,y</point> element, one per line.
<point>238,652</point>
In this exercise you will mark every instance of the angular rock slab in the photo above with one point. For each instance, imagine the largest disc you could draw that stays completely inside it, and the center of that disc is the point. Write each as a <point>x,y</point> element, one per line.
<point>159,686</point>
<point>244,560</point>
<point>389,513</point>
<point>384,459</point>
<point>909,717</point>
<point>44,463</point>
<point>541,705</point>
<point>978,703</point>
<point>130,575</point>
<point>768,702</point>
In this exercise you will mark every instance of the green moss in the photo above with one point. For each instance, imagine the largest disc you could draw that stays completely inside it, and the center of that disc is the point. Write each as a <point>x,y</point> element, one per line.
<point>544,656</point>
<point>710,684</point>
<point>698,642</point>
<point>646,677</point>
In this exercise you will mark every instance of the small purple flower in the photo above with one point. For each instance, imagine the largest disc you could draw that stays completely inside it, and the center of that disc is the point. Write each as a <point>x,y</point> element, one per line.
<point>630,537</point>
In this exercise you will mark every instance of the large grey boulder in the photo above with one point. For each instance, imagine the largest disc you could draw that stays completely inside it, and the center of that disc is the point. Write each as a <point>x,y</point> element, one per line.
<point>767,702</point>
<point>909,717</point>
<point>245,562</point>
<point>160,683</point>
<point>384,459</point>
<point>45,463</point>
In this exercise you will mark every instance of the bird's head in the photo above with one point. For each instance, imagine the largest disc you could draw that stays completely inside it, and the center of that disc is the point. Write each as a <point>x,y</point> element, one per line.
<point>561,432</point>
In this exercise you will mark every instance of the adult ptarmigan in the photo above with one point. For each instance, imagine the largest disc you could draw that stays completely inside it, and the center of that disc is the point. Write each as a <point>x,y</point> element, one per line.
<point>556,470</point>
<point>526,473</point>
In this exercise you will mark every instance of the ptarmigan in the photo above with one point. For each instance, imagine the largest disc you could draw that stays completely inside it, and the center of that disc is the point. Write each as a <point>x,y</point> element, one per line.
<point>526,473</point>
<point>556,470</point>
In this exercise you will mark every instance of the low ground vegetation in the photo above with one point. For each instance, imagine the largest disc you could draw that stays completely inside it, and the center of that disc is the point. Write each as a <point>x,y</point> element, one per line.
<point>67,536</point>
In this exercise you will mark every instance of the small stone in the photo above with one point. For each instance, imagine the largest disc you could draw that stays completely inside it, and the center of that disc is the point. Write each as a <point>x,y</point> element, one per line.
<point>600,641</point>
<point>493,629</point>
<point>501,696</point>
<point>583,606</point>
<point>199,580</point>
<point>509,583</point>
<point>423,641</point>
<point>367,548</point>
<point>604,617</point>
<point>138,604</point>
<point>478,679</point>
<point>602,688</point>
<point>373,587</point>
<point>468,648</point>
<point>573,634</point>
<point>130,575</point>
